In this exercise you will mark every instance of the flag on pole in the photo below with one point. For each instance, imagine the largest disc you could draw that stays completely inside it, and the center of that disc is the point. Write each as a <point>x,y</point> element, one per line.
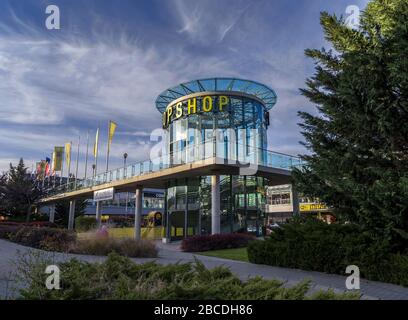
<point>112,128</point>
<point>41,169</point>
<point>47,166</point>
<point>57,159</point>
<point>95,149</point>
<point>111,132</point>
<point>68,154</point>
<point>53,163</point>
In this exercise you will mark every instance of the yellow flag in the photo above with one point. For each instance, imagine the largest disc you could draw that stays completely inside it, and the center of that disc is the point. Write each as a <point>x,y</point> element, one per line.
<point>95,150</point>
<point>53,162</point>
<point>68,154</point>
<point>57,158</point>
<point>112,128</point>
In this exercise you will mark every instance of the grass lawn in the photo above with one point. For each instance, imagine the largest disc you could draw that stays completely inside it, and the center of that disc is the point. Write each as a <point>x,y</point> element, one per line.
<point>232,254</point>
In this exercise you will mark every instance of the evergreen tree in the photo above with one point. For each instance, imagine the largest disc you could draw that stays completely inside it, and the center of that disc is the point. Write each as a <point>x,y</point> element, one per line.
<point>19,191</point>
<point>358,141</point>
<point>62,211</point>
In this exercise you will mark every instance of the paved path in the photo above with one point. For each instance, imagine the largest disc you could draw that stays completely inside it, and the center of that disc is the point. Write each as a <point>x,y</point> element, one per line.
<point>171,254</point>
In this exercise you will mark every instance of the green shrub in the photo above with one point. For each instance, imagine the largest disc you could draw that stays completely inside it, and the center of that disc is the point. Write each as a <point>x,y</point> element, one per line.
<point>314,245</point>
<point>125,247</point>
<point>216,242</point>
<point>45,238</point>
<point>119,278</point>
<point>7,231</point>
<point>84,223</point>
<point>10,228</point>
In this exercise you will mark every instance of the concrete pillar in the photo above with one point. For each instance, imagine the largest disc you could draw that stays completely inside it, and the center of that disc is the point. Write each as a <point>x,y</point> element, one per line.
<point>215,205</point>
<point>138,212</point>
<point>98,214</point>
<point>71,215</point>
<point>52,212</point>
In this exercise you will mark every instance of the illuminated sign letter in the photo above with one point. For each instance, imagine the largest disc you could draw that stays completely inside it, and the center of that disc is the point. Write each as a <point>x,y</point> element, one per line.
<point>179,110</point>
<point>169,113</point>
<point>192,104</point>
<point>207,104</point>
<point>164,119</point>
<point>222,102</point>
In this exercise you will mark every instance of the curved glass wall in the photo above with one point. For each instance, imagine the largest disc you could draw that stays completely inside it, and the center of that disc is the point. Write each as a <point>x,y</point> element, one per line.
<point>235,133</point>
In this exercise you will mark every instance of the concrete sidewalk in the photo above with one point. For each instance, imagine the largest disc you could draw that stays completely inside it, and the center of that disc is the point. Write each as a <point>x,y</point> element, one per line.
<point>170,253</point>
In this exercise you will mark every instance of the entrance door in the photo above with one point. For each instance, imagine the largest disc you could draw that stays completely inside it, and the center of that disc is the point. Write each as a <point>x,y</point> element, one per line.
<point>177,225</point>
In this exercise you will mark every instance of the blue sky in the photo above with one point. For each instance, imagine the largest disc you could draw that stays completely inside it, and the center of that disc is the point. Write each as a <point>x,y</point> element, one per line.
<point>111,59</point>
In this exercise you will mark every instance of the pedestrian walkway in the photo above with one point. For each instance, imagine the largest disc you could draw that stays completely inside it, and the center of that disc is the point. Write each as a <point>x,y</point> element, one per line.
<point>170,253</point>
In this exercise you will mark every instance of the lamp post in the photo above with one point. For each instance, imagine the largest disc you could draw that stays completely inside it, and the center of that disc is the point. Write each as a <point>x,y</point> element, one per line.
<point>125,155</point>
<point>93,173</point>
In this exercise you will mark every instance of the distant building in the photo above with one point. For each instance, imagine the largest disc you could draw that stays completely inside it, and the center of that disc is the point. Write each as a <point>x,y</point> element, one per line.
<point>124,204</point>
<point>279,205</point>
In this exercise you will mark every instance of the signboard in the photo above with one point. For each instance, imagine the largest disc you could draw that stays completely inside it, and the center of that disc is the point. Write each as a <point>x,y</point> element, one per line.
<point>193,106</point>
<point>105,194</point>
<point>312,207</point>
<point>153,195</point>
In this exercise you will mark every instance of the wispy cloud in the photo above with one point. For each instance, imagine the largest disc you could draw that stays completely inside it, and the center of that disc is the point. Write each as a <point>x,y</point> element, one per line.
<point>56,86</point>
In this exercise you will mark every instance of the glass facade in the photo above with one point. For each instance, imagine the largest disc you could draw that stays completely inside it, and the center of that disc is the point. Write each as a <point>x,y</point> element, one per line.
<point>189,205</point>
<point>238,132</point>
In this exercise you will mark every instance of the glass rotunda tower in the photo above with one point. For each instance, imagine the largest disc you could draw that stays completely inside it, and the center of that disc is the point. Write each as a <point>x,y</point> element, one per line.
<point>225,118</point>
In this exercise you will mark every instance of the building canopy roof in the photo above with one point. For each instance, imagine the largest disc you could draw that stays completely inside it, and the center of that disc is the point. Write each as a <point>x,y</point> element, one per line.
<point>262,92</point>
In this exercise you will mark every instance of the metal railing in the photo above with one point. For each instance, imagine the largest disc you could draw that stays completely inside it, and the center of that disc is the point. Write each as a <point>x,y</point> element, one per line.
<point>231,153</point>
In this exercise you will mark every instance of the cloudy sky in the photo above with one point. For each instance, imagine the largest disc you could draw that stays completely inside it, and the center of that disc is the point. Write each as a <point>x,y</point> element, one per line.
<point>111,59</point>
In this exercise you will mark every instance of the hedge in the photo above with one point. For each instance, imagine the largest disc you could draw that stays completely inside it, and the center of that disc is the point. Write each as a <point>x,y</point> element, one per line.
<point>215,242</point>
<point>119,278</point>
<point>9,228</point>
<point>316,246</point>
<point>45,238</point>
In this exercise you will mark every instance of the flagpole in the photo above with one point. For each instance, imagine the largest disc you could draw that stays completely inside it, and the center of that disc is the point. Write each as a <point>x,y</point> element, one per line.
<point>76,166</point>
<point>69,163</point>
<point>53,168</point>
<point>108,149</point>
<point>97,151</point>
<point>43,173</point>
<point>62,166</point>
<point>86,156</point>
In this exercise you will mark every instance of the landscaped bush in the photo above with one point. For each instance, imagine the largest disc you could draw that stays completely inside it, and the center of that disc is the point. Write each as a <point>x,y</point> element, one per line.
<point>314,245</point>
<point>216,242</point>
<point>83,223</point>
<point>119,278</point>
<point>45,238</point>
<point>7,230</point>
<point>10,228</point>
<point>125,247</point>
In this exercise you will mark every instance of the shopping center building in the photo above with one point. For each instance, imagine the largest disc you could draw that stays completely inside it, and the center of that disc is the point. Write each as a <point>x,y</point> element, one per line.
<point>213,163</point>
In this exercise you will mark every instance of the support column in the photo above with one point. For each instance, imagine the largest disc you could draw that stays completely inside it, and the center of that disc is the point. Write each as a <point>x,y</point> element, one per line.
<point>215,205</point>
<point>138,212</point>
<point>71,215</point>
<point>52,212</point>
<point>98,214</point>
<point>295,201</point>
